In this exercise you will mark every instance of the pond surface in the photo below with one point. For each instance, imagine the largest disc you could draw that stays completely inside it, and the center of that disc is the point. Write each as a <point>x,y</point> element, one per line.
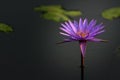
<point>31,53</point>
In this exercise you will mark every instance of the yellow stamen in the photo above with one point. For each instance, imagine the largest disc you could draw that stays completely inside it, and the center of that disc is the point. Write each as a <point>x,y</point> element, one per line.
<point>82,34</point>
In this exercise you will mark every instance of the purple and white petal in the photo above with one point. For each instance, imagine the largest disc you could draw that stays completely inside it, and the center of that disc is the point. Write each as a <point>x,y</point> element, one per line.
<point>96,40</point>
<point>65,34</point>
<point>97,33</point>
<point>83,48</point>
<point>72,26</point>
<point>80,25</point>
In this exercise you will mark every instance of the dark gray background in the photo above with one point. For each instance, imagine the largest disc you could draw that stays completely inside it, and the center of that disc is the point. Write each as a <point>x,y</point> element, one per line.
<point>30,52</point>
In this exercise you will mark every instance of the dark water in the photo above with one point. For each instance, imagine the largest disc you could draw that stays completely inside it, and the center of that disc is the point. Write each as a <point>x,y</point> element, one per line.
<point>30,52</point>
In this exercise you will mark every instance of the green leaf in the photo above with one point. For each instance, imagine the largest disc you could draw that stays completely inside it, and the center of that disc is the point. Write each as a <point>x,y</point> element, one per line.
<point>55,17</point>
<point>5,28</point>
<point>72,13</point>
<point>56,13</point>
<point>111,13</point>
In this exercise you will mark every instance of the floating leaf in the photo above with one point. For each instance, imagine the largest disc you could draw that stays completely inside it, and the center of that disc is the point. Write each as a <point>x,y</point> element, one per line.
<point>73,13</point>
<point>56,13</point>
<point>55,17</point>
<point>111,13</point>
<point>5,28</point>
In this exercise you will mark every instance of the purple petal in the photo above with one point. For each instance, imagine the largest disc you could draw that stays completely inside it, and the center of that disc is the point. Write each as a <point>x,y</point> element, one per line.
<point>96,40</point>
<point>69,35</point>
<point>91,25</point>
<point>80,25</point>
<point>64,34</point>
<point>66,23</point>
<point>68,28</point>
<point>72,26</point>
<point>85,25</point>
<point>64,26</point>
<point>97,28</point>
<point>67,31</point>
<point>98,32</point>
<point>83,48</point>
<point>76,24</point>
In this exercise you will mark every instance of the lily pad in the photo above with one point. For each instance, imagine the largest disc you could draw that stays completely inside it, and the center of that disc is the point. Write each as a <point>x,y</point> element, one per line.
<point>72,13</point>
<point>5,28</point>
<point>55,17</point>
<point>111,13</point>
<point>56,13</point>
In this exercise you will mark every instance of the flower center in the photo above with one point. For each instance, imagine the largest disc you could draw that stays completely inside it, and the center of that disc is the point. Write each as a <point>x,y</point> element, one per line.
<point>82,34</point>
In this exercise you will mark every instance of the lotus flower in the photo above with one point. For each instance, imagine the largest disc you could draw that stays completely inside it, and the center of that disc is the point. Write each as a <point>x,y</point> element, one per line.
<point>82,32</point>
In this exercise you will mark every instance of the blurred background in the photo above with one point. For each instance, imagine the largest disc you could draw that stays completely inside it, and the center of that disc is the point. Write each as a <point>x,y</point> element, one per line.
<point>30,52</point>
